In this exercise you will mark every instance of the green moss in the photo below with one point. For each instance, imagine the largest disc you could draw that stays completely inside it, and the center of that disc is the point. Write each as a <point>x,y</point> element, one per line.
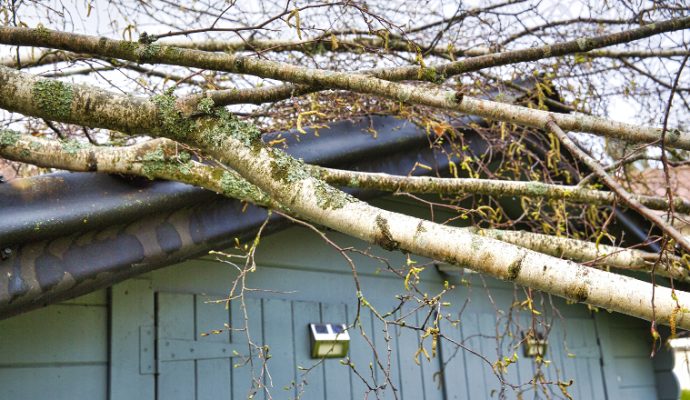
<point>148,52</point>
<point>205,105</point>
<point>514,269</point>
<point>154,163</point>
<point>129,47</point>
<point>71,146</point>
<point>328,197</point>
<point>8,137</point>
<point>54,98</point>
<point>538,189</point>
<point>235,186</point>
<point>173,122</point>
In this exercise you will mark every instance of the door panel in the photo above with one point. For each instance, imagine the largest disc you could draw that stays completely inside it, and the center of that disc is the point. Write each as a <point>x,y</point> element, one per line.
<point>194,351</point>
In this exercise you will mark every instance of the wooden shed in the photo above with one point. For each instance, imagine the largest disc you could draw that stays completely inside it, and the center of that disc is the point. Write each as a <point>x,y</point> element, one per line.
<point>90,314</point>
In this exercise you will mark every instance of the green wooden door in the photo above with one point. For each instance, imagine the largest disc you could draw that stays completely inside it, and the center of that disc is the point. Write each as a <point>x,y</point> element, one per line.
<point>194,353</point>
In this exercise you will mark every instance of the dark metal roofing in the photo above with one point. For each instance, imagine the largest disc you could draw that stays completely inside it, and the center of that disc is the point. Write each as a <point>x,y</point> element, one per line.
<point>67,234</point>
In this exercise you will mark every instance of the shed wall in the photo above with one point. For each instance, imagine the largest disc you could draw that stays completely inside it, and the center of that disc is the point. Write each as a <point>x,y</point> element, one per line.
<point>58,352</point>
<point>69,352</point>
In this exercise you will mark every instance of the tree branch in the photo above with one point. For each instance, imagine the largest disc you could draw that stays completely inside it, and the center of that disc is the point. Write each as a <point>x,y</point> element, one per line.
<point>490,187</point>
<point>165,159</point>
<point>623,194</point>
<point>450,100</point>
<point>238,145</point>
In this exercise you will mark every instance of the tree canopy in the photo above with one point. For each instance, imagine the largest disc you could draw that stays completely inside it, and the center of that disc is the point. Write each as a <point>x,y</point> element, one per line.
<point>185,92</point>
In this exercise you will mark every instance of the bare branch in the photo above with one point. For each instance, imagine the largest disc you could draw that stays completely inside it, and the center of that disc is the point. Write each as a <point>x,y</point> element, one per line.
<point>625,197</point>
<point>490,187</point>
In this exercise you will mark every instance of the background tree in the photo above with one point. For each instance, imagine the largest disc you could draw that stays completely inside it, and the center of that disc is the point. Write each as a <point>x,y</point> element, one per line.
<point>86,87</point>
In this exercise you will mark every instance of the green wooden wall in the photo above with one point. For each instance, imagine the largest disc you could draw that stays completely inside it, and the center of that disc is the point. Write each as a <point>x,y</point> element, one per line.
<point>144,338</point>
<point>59,352</point>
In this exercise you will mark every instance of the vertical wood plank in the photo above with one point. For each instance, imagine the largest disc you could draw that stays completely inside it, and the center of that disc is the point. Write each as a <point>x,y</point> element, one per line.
<point>476,368</point>
<point>382,351</point>
<point>429,370</point>
<point>246,375</point>
<point>176,379</point>
<point>573,340</point>
<point>337,376</point>
<point>132,307</point>
<point>556,354</point>
<point>526,368</point>
<point>59,334</point>
<point>453,360</point>
<point>602,323</point>
<point>361,354</point>
<point>310,384</point>
<point>212,376</point>
<point>277,325</point>
<point>487,325</point>
<point>65,382</point>
<point>411,385</point>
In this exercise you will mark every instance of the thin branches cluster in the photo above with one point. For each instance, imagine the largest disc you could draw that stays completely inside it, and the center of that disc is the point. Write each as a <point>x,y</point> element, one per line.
<point>576,103</point>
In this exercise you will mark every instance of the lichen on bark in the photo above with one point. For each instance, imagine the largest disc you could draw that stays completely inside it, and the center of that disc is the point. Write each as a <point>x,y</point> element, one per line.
<point>53,97</point>
<point>287,169</point>
<point>71,146</point>
<point>328,197</point>
<point>154,162</point>
<point>206,105</point>
<point>221,124</point>
<point>8,137</point>
<point>164,162</point>
<point>237,187</point>
<point>213,127</point>
<point>171,119</point>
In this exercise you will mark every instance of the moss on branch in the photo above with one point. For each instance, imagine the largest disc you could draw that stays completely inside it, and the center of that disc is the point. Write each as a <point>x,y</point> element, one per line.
<point>53,97</point>
<point>8,137</point>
